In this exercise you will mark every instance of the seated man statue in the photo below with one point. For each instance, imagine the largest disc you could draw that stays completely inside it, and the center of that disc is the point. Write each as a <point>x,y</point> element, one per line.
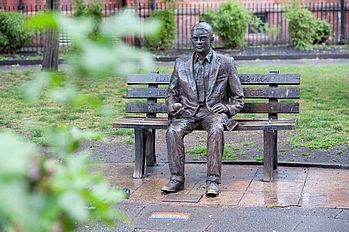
<point>197,97</point>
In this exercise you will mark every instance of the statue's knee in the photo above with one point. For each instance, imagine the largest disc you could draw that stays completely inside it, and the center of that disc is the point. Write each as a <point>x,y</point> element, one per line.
<point>216,129</point>
<point>173,131</point>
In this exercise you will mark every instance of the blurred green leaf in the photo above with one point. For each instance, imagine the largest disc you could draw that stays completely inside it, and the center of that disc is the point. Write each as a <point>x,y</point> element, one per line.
<point>42,21</point>
<point>15,155</point>
<point>78,29</point>
<point>127,23</point>
<point>74,205</point>
<point>64,94</point>
<point>52,195</point>
<point>33,89</point>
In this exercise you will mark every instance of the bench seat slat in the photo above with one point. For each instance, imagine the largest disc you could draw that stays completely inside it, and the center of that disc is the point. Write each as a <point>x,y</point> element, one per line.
<point>280,93</point>
<point>247,79</point>
<point>140,107</point>
<point>244,124</point>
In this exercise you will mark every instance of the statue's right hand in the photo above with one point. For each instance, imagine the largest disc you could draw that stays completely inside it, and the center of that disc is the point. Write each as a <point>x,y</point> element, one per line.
<point>176,107</point>
<point>176,110</point>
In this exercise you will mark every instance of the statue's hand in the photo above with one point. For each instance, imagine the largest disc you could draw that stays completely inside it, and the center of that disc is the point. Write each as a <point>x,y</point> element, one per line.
<point>176,107</point>
<point>219,108</point>
<point>176,110</point>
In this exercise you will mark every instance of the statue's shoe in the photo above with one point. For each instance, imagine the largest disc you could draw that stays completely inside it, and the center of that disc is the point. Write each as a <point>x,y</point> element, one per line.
<point>212,189</point>
<point>173,186</point>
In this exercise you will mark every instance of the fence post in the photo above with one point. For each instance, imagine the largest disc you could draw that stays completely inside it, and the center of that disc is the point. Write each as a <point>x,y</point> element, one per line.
<point>342,38</point>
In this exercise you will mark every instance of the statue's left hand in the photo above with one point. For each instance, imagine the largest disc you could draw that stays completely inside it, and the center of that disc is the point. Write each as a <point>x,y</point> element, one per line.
<point>219,108</point>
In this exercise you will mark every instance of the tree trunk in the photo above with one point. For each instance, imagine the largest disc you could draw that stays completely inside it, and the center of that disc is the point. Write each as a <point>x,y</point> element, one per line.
<point>51,47</point>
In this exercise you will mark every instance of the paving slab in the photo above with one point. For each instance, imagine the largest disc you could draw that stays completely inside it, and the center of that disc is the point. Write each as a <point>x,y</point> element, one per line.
<point>241,186</point>
<point>344,214</point>
<point>322,224</point>
<point>299,199</point>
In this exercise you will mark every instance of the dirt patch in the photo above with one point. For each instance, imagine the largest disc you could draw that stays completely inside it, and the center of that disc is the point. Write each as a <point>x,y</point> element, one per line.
<point>239,146</point>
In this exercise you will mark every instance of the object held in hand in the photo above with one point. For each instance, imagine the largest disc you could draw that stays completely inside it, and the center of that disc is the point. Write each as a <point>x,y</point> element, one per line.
<point>177,106</point>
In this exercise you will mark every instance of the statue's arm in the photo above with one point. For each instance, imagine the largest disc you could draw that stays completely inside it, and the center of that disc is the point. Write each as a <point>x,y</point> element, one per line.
<point>236,91</point>
<point>172,93</point>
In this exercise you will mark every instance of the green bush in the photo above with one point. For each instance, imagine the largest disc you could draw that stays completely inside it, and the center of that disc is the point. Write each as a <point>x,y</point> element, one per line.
<point>230,23</point>
<point>13,36</point>
<point>165,38</point>
<point>92,9</point>
<point>304,29</point>
<point>322,31</point>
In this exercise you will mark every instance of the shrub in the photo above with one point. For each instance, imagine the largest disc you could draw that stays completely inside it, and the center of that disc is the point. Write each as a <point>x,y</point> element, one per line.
<point>304,28</point>
<point>230,23</point>
<point>166,35</point>
<point>13,36</point>
<point>322,31</point>
<point>93,10</point>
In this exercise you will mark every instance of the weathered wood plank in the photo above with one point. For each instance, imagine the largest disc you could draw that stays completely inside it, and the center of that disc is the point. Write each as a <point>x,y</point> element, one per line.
<point>140,107</point>
<point>244,124</point>
<point>267,79</point>
<point>270,108</point>
<point>151,78</point>
<point>146,93</point>
<point>247,79</point>
<point>281,93</point>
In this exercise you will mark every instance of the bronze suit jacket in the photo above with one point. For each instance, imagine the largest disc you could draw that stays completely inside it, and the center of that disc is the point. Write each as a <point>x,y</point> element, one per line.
<point>224,86</point>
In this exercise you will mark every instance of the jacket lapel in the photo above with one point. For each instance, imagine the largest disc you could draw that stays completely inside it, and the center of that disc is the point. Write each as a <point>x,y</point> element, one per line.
<point>213,73</point>
<point>190,73</point>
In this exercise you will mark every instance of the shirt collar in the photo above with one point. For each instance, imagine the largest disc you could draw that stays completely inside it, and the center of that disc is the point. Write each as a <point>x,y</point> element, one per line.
<point>208,57</point>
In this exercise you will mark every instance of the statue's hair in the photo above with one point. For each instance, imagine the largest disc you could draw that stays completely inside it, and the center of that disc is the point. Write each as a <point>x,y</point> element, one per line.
<point>203,25</point>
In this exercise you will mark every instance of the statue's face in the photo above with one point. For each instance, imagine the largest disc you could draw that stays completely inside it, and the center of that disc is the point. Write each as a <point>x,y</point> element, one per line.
<point>201,40</point>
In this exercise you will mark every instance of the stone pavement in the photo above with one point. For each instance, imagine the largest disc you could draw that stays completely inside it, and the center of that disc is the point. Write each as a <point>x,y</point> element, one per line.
<point>299,199</point>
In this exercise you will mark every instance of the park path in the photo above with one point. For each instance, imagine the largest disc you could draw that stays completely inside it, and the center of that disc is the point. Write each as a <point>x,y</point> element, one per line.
<point>299,199</point>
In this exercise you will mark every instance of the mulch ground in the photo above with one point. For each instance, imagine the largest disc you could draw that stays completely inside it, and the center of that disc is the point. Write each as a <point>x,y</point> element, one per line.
<point>242,146</point>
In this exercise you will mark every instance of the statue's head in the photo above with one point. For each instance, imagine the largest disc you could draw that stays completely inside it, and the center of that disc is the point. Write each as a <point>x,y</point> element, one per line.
<point>202,37</point>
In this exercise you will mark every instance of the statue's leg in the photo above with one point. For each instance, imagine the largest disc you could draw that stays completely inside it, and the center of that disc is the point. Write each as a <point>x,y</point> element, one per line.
<point>175,146</point>
<point>213,124</point>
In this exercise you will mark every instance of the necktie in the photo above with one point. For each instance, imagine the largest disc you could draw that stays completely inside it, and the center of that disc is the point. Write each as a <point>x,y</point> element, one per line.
<point>201,81</point>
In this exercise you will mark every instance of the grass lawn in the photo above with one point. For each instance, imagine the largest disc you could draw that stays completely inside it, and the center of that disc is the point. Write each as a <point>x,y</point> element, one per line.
<point>323,121</point>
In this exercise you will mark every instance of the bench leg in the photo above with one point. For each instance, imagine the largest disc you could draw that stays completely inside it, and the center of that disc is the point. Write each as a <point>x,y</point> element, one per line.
<point>269,141</point>
<point>275,149</point>
<point>150,148</point>
<point>139,153</point>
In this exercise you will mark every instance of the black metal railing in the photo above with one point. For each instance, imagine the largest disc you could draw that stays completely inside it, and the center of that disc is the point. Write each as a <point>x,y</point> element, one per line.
<point>187,15</point>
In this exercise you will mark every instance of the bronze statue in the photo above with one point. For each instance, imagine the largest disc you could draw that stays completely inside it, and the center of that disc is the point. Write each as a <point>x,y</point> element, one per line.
<point>198,96</point>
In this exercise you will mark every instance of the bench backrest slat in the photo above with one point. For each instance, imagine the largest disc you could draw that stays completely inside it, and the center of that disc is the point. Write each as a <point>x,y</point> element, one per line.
<point>281,93</point>
<point>246,79</point>
<point>270,87</point>
<point>141,107</point>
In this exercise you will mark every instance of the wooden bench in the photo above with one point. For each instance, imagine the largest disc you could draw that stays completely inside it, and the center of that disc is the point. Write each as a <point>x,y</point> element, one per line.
<point>264,94</point>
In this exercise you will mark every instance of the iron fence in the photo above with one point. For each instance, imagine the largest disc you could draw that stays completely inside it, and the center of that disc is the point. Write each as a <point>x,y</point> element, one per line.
<point>186,15</point>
